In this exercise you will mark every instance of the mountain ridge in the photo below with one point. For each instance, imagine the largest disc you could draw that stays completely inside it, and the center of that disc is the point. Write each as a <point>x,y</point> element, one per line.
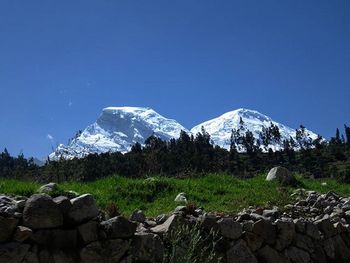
<point>118,128</point>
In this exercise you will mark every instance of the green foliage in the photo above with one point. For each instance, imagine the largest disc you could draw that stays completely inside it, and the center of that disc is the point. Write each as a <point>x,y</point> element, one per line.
<point>190,244</point>
<point>214,192</point>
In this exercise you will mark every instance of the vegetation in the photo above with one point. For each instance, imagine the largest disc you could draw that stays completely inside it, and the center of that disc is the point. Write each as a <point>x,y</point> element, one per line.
<point>155,195</point>
<point>191,245</point>
<point>190,155</point>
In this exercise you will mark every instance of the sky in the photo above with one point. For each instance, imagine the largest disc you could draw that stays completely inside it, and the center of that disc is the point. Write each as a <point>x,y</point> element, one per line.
<point>62,62</point>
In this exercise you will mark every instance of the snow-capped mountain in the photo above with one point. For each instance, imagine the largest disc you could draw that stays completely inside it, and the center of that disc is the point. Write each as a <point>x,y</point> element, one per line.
<point>220,128</point>
<point>117,129</point>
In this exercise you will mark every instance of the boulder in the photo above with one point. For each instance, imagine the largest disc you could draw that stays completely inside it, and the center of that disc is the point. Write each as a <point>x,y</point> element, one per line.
<point>60,256</point>
<point>88,232</point>
<point>326,227</point>
<point>297,255</point>
<point>83,209</point>
<point>56,238</point>
<point>171,223</point>
<point>7,227</point>
<point>109,251</point>
<point>269,255</point>
<point>265,230</point>
<point>285,234</point>
<point>119,227</point>
<point>63,203</point>
<point>282,175</point>
<point>240,253</point>
<point>208,221</point>
<point>13,252</point>
<point>42,212</point>
<point>230,228</point>
<point>253,241</point>
<point>147,247</point>
<point>336,249</point>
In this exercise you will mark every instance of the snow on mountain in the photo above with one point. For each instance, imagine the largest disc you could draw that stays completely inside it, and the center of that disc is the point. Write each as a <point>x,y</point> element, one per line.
<point>117,129</point>
<point>220,128</point>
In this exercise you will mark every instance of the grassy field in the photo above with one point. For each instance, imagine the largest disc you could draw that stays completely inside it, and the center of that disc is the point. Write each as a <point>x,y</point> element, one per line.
<point>214,192</point>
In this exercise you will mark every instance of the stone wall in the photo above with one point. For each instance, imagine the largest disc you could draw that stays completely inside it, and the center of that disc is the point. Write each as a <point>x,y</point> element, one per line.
<point>43,229</point>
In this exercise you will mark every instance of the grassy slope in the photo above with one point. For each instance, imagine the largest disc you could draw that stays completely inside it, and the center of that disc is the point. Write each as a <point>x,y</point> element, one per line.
<point>214,192</point>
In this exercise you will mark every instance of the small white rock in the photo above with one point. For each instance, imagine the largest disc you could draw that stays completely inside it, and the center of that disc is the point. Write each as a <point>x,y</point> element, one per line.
<point>181,197</point>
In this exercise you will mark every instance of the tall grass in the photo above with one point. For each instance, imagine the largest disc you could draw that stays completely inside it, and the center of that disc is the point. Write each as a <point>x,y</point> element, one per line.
<point>155,195</point>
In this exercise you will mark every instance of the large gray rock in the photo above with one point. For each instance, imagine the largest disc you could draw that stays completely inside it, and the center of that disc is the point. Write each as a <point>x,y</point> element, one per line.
<point>282,175</point>
<point>297,255</point>
<point>336,249</point>
<point>254,241</point>
<point>63,203</point>
<point>56,238</point>
<point>83,209</point>
<point>109,251</point>
<point>240,253</point>
<point>88,232</point>
<point>285,234</point>
<point>13,252</point>
<point>147,247</point>
<point>171,223</point>
<point>269,255</point>
<point>7,227</point>
<point>326,227</point>
<point>60,256</point>
<point>265,230</point>
<point>230,228</point>
<point>119,227</point>
<point>41,212</point>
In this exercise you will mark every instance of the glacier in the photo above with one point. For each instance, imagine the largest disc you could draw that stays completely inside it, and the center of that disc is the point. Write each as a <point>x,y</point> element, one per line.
<point>118,128</point>
<point>220,128</point>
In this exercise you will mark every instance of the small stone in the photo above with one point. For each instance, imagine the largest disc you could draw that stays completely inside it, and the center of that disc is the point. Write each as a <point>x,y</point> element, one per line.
<point>138,216</point>
<point>181,197</point>
<point>48,188</point>
<point>22,233</point>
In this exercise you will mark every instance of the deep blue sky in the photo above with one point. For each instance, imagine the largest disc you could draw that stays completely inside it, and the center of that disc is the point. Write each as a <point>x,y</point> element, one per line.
<point>62,61</point>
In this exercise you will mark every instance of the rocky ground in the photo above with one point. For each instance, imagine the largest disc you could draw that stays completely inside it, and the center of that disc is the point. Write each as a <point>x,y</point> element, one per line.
<point>314,228</point>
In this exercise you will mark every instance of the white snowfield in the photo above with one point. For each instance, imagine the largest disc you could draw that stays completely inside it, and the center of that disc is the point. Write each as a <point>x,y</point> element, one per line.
<point>220,128</point>
<point>118,128</point>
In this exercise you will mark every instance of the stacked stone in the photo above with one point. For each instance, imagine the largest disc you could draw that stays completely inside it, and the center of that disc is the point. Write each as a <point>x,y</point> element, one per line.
<point>71,229</point>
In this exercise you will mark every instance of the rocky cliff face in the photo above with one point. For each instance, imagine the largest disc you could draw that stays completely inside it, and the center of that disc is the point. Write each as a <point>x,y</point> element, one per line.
<point>71,229</point>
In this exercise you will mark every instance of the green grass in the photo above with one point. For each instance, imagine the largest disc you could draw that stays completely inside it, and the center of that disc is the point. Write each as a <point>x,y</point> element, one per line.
<point>215,192</point>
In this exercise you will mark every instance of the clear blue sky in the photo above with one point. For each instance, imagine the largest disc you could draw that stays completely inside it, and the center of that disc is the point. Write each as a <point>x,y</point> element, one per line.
<point>62,61</point>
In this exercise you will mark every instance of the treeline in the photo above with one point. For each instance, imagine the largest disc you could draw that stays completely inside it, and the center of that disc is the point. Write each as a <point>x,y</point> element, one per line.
<point>195,155</point>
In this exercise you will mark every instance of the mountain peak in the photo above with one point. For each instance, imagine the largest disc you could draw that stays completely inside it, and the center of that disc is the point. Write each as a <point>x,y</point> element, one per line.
<point>220,128</point>
<point>117,129</point>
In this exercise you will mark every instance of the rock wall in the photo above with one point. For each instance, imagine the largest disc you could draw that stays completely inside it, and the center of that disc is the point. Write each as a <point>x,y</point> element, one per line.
<point>43,229</point>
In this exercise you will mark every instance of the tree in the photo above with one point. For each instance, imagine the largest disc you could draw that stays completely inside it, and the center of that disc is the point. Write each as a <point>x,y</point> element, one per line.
<point>347,134</point>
